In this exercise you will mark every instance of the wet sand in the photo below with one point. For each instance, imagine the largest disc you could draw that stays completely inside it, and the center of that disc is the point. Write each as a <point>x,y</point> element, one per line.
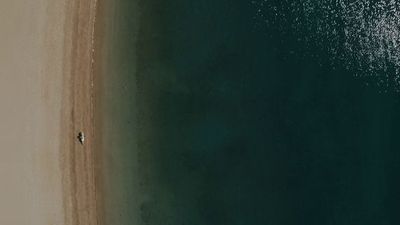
<point>46,92</point>
<point>78,110</point>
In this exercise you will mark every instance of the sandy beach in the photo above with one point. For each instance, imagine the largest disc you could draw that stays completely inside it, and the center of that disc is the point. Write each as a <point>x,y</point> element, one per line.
<point>46,96</point>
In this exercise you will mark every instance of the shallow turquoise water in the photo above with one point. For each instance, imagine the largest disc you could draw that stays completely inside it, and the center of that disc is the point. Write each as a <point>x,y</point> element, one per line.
<point>217,118</point>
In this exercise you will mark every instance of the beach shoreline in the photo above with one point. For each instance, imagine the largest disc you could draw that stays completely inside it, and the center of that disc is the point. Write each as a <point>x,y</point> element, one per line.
<point>47,90</point>
<point>78,162</point>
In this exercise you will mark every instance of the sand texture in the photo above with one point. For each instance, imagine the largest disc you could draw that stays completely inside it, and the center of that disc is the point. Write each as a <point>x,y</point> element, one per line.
<point>46,95</point>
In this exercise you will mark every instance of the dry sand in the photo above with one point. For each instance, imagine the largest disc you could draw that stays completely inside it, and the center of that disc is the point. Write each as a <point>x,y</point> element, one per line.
<point>46,97</point>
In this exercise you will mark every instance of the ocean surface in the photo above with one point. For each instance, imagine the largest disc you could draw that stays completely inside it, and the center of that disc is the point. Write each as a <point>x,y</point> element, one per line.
<point>252,112</point>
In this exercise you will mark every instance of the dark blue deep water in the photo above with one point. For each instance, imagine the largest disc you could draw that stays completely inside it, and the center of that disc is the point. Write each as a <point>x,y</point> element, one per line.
<point>227,120</point>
